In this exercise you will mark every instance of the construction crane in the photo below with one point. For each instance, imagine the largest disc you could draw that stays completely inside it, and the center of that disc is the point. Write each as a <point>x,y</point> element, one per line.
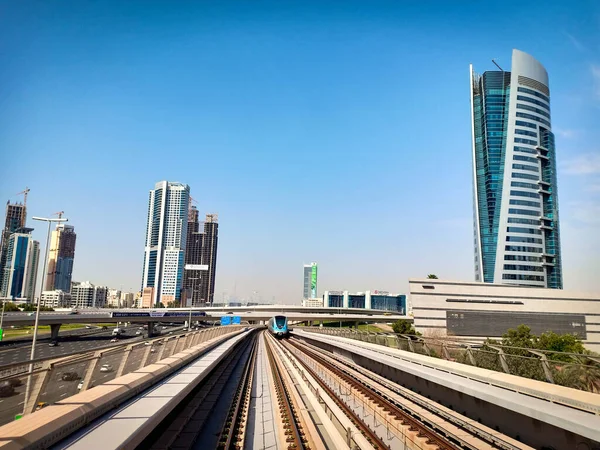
<point>25,192</point>
<point>59,214</point>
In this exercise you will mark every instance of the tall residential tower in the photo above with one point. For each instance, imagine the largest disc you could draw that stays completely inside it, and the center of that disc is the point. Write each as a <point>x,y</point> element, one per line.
<point>210,240</point>
<point>16,215</point>
<point>193,256</point>
<point>517,237</point>
<point>166,232</point>
<point>61,257</point>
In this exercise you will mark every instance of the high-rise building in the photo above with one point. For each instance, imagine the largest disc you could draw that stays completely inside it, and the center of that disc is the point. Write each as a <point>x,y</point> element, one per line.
<point>20,268</point>
<point>310,281</point>
<point>166,233</point>
<point>61,256</point>
<point>16,215</point>
<point>193,255</point>
<point>517,236</point>
<point>209,258</point>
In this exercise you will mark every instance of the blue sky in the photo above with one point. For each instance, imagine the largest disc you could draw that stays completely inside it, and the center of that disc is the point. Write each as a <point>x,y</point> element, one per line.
<point>338,134</point>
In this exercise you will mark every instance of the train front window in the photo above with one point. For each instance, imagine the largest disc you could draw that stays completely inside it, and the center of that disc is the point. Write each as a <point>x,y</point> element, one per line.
<point>280,321</point>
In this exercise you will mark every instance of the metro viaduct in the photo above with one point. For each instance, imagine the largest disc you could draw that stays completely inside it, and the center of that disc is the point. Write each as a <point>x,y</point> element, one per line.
<point>56,319</point>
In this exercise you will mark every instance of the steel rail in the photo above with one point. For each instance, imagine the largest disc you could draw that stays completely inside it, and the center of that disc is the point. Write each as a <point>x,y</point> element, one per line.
<point>233,433</point>
<point>294,437</point>
<point>424,430</point>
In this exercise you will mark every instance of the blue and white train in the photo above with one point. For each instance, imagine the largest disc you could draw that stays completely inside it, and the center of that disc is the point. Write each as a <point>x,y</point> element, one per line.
<point>278,326</point>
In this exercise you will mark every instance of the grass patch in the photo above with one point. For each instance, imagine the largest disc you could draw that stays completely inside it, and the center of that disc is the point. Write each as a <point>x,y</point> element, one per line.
<point>42,329</point>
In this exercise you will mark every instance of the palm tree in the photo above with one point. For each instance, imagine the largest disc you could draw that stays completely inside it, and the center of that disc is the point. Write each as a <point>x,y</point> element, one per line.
<point>432,276</point>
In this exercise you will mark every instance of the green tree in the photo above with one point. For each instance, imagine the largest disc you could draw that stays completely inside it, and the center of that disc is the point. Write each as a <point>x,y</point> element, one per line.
<point>404,326</point>
<point>174,304</point>
<point>29,307</point>
<point>160,305</point>
<point>567,343</point>
<point>11,307</point>
<point>432,276</point>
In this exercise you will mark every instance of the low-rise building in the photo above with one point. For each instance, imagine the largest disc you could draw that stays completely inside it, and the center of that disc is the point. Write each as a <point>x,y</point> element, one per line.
<point>86,295</point>
<point>376,299</point>
<point>476,311</point>
<point>113,298</point>
<point>56,299</point>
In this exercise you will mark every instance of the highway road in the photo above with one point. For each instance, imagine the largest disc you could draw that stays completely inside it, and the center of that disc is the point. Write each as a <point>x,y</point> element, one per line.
<point>69,344</point>
<point>59,388</point>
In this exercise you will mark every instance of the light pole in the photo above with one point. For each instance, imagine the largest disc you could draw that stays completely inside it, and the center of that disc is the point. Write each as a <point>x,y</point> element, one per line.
<point>191,302</point>
<point>37,312</point>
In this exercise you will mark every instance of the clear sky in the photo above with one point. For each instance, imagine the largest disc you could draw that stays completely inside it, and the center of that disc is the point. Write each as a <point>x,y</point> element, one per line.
<point>336,132</point>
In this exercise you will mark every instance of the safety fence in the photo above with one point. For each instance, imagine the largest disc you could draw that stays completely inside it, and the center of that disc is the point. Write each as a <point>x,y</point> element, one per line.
<point>52,380</point>
<point>578,371</point>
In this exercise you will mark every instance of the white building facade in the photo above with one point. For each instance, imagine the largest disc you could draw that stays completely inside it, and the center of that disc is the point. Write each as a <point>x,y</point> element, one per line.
<point>476,311</point>
<point>86,295</point>
<point>166,234</point>
<point>56,299</point>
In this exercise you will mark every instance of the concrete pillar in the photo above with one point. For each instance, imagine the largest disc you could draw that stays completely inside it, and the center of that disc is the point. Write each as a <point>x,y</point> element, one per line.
<point>126,354</point>
<point>150,329</point>
<point>41,381</point>
<point>54,331</point>
<point>90,370</point>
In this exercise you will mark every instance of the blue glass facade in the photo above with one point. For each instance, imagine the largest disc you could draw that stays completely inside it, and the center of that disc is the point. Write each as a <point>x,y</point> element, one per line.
<point>335,301</point>
<point>396,303</point>
<point>491,94</point>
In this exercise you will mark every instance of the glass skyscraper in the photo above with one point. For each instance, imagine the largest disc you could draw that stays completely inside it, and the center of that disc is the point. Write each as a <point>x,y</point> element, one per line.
<point>517,236</point>
<point>166,234</point>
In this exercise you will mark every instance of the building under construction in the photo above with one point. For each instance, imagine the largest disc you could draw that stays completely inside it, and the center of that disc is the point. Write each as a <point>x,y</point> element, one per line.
<point>16,216</point>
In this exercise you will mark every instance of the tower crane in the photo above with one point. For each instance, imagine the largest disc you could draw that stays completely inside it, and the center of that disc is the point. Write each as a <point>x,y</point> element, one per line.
<point>25,192</point>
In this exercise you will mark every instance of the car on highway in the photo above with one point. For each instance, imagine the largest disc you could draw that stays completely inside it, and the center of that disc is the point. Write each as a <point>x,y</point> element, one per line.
<point>70,376</point>
<point>6,389</point>
<point>114,340</point>
<point>53,344</point>
<point>139,332</point>
<point>106,368</point>
<point>80,385</point>
<point>41,405</point>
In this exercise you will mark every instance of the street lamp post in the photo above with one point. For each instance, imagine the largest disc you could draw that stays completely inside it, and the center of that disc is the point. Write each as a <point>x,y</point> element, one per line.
<point>37,312</point>
<point>192,301</point>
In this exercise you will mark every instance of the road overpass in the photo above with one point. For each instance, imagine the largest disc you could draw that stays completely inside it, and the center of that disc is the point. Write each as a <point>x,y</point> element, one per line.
<point>251,314</point>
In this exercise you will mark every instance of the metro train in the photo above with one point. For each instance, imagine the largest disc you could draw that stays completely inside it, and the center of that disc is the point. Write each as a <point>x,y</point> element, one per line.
<point>278,326</point>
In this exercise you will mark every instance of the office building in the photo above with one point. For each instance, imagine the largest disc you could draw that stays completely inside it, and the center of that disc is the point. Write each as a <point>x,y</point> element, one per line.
<point>210,240</point>
<point>147,298</point>
<point>56,299</point>
<point>20,266</point>
<point>475,311</point>
<point>193,256</point>
<point>517,236</point>
<point>381,300</point>
<point>310,281</point>
<point>61,256</point>
<point>16,215</point>
<point>166,233</point>
<point>87,295</point>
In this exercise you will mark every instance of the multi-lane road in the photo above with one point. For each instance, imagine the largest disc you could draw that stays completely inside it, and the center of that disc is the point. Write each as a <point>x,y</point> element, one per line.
<point>16,352</point>
<point>65,380</point>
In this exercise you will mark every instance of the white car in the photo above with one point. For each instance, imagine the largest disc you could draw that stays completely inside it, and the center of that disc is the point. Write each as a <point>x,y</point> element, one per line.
<point>80,385</point>
<point>106,368</point>
<point>139,332</point>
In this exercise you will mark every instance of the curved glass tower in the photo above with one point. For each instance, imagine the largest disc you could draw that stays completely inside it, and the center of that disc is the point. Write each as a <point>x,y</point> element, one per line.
<point>517,237</point>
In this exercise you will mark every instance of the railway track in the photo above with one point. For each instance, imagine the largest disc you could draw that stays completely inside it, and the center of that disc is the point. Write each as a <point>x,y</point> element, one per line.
<point>437,426</point>
<point>286,394</point>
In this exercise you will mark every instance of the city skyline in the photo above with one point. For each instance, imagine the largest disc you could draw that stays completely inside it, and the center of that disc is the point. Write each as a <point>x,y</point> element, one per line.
<point>371,105</point>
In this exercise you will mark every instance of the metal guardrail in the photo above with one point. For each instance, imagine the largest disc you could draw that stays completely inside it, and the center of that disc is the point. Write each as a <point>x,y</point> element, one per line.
<point>542,365</point>
<point>58,378</point>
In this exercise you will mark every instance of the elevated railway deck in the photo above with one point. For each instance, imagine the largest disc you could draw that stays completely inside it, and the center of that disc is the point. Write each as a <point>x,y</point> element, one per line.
<point>246,389</point>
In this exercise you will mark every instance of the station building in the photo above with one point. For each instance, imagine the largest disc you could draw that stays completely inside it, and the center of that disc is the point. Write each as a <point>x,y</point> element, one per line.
<point>376,299</point>
<point>476,311</point>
